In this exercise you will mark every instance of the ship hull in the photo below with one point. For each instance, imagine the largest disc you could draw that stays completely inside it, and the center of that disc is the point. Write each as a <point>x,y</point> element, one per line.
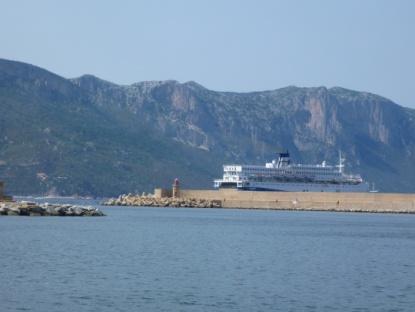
<point>302,187</point>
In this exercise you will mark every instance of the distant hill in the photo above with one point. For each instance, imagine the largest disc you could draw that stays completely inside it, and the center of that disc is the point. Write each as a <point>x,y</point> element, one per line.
<point>87,136</point>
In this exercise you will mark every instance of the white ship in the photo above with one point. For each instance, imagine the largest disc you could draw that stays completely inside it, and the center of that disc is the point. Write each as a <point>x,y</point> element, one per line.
<point>281,175</point>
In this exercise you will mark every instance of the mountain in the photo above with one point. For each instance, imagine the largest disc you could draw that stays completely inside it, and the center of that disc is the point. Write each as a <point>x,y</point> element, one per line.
<point>87,136</point>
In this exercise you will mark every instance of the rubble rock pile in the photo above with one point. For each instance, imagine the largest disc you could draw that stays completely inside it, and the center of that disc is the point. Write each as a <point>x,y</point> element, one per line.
<point>25,208</point>
<point>151,201</point>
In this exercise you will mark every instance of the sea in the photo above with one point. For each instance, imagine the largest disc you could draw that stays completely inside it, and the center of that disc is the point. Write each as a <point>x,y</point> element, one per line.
<point>187,259</point>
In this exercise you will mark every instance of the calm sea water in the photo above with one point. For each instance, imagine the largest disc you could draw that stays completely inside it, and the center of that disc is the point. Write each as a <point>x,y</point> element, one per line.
<point>163,259</point>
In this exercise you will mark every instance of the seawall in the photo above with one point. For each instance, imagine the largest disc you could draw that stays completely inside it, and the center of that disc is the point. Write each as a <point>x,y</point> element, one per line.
<point>358,202</point>
<point>4,198</point>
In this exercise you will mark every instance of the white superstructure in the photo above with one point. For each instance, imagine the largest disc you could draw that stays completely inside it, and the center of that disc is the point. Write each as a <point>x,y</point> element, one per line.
<point>281,175</point>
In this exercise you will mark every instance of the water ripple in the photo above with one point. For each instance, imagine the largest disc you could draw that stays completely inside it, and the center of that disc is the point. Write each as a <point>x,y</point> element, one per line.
<point>151,259</point>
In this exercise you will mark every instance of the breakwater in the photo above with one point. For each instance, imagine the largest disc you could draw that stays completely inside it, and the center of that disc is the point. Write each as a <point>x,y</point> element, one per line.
<point>231,198</point>
<point>154,201</point>
<point>319,201</point>
<point>25,208</point>
<point>305,201</point>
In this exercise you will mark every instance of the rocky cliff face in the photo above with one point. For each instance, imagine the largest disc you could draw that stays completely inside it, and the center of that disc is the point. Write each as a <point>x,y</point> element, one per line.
<point>377,136</point>
<point>164,129</point>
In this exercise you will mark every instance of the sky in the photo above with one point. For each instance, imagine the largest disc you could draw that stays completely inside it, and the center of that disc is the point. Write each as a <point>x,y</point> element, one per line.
<point>226,45</point>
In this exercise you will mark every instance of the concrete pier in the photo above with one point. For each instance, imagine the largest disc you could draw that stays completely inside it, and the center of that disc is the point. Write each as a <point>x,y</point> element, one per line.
<point>357,202</point>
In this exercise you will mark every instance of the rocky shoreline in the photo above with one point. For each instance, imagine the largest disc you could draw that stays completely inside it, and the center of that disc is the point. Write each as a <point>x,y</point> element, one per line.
<point>24,208</point>
<point>151,201</point>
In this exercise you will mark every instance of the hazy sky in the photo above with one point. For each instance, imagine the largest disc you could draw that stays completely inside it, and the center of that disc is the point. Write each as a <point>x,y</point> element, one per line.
<point>224,45</point>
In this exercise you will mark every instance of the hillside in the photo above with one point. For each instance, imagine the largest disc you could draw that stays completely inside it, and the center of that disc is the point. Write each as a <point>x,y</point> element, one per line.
<point>87,136</point>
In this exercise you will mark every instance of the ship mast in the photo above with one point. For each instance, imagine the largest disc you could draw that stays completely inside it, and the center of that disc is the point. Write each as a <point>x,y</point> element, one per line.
<point>341,162</point>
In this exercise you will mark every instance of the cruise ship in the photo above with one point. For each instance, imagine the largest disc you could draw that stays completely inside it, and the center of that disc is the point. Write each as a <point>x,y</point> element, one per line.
<point>281,175</point>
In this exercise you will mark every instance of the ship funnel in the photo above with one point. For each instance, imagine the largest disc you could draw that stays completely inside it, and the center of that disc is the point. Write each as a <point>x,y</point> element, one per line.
<point>283,159</point>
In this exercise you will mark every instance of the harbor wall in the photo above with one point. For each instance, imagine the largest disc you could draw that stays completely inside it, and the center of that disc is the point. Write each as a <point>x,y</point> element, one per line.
<point>362,202</point>
<point>3,197</point>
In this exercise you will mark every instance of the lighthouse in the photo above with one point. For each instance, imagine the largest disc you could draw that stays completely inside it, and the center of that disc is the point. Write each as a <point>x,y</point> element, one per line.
<point>176,189</point>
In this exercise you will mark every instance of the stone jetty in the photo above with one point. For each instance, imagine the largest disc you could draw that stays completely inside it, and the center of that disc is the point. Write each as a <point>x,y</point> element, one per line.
<point>24,208</point>
<point>152,201</point>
